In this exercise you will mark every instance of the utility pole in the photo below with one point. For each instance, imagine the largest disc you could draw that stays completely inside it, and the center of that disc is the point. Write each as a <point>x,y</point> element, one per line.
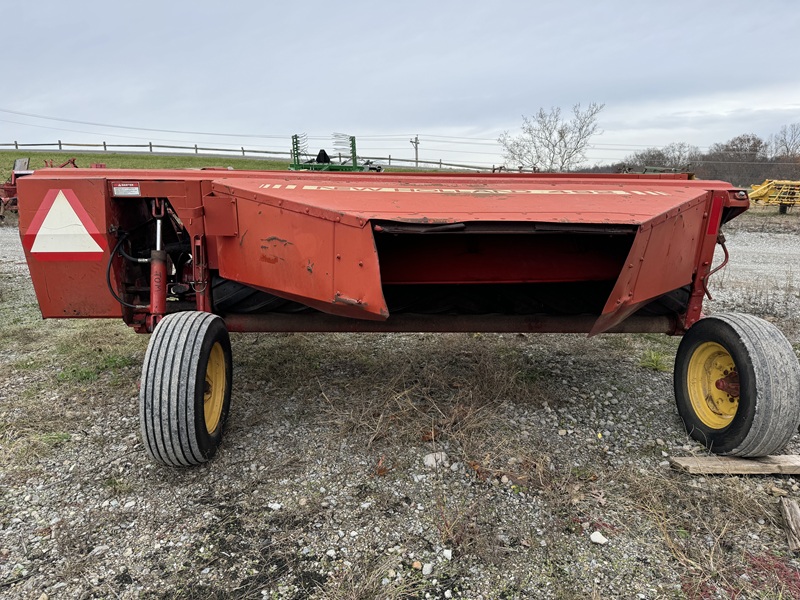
<point>415,143</point>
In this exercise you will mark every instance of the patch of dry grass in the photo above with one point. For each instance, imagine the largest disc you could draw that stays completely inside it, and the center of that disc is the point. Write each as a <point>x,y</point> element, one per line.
<point>55,382</point>
<point>703,528</point>
<point>428,389</point>
<point>370,579</point>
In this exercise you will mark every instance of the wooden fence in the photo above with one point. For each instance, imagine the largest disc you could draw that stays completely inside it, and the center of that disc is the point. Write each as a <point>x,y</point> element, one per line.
<point>241,151</point>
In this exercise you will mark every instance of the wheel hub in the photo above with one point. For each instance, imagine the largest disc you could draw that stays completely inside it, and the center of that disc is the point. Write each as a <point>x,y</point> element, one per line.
<point>729,384</point>
<point>713,385</point>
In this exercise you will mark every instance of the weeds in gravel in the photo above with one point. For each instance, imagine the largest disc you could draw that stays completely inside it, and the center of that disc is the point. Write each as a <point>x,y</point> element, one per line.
<point>655,360</point>
<point>774,297</point>
<point>369,579</point>
<point>699,526</point>
<point>90,349</point>
<point>29,432</point>
<point>56,374</point>
<point>77,374</point>
<point>54,438</point>
<point>118,486</point>
<point>458,524</point>
<point>425,391</point>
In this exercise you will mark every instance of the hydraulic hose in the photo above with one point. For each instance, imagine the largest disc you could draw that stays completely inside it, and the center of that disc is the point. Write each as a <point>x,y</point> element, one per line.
<point>117,248</point>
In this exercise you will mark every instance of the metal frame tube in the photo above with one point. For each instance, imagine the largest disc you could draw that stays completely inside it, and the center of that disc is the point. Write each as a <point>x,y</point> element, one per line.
<point>320,322</point>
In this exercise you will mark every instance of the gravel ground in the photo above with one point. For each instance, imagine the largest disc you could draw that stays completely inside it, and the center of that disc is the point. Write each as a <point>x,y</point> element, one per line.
<point>374,466</point>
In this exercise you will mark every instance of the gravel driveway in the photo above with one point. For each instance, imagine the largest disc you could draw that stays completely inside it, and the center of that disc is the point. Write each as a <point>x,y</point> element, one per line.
<point>385,466</point>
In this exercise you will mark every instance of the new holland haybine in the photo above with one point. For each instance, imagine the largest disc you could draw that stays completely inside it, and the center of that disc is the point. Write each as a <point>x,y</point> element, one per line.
<point>190,256</point>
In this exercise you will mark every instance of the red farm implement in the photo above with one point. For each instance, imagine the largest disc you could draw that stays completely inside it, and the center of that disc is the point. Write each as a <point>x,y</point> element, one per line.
<point>8,190</point>
<point>193,255</point>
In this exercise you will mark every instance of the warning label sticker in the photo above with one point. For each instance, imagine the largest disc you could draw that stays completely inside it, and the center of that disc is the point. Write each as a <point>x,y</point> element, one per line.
<point>125,188</point>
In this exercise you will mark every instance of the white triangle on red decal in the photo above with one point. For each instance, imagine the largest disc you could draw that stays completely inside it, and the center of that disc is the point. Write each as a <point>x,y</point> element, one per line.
<point>63,231</point>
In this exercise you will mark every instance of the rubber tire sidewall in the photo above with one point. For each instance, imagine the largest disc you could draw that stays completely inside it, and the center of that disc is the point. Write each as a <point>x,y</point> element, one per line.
<point>728,439</point>
<point>171,407</point>
<point>209,442</point>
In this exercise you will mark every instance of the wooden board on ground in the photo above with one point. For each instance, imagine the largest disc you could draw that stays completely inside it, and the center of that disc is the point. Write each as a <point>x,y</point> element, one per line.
<point>791,516</point>
<point>731,465</point>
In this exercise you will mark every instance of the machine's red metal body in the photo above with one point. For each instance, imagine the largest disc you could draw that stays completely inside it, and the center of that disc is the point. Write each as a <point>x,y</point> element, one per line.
<point>377,251</point>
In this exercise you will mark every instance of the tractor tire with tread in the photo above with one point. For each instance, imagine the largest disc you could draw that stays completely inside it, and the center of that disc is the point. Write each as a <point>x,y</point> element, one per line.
<point>185,391</point>
<point>737,385</point>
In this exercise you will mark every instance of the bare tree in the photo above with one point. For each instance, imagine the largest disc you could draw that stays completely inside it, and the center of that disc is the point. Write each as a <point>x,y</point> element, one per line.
<point>786,143</point>
<point>550,142</point>
<point>681,155</point>
<point>746,147</point>
<point>741,160</point>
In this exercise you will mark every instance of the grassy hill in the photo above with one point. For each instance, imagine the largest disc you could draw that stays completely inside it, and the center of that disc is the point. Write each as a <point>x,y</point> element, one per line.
<point>136,161</point>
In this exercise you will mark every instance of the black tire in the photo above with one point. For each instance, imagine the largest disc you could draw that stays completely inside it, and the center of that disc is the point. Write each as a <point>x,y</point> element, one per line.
<point>185,391</point>
<point>766,413</point>
<point>783,209</point>
<point>233,297</point>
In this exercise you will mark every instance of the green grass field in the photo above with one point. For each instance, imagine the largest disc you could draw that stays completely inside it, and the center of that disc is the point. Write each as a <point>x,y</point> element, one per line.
<point>135,161</point>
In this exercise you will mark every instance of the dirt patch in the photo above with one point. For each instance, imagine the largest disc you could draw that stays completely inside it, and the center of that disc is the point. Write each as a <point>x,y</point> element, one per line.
<point>321,490</point>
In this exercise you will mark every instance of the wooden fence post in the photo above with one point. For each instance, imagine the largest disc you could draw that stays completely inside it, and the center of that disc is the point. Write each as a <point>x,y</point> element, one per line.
<point>59,144</point>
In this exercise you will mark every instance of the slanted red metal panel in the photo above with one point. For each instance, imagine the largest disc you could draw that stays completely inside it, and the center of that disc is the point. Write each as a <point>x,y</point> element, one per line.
<point>329,265</point>
<point>662,259</point>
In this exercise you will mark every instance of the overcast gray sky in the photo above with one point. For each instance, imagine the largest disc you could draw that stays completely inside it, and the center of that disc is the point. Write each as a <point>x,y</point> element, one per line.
<point>698,72</point>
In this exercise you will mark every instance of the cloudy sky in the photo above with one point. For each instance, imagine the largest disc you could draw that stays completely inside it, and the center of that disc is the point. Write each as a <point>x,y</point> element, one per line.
<point>457,74</point>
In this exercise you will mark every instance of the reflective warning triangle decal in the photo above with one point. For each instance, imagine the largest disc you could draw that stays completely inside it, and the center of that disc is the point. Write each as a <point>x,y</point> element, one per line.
<point>62,230</point>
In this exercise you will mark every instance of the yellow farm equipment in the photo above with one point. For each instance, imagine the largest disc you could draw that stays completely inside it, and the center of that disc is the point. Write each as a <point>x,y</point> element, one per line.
<point>783,193</point>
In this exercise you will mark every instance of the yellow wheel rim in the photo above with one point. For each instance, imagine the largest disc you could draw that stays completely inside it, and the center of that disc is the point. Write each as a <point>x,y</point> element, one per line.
<point>713,384</point>
<point>214,396</point>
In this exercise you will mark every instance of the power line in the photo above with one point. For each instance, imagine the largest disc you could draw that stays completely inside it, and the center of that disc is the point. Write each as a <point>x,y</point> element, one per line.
<point>117,135</point>
<point>483,152</point>
<point>35,116</point>
<point>456,137</point>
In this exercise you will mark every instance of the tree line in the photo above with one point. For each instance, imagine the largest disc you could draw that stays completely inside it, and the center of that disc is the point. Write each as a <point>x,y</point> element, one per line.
<point>742,160</point>
<point>550,141</point>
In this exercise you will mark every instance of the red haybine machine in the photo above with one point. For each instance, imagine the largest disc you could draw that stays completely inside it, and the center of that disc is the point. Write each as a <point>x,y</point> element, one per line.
<point>192,255</point>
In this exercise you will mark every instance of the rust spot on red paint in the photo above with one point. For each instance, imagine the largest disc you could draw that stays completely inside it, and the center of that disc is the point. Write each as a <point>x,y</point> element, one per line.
<point>339,299</point>
<point>275,238</point>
